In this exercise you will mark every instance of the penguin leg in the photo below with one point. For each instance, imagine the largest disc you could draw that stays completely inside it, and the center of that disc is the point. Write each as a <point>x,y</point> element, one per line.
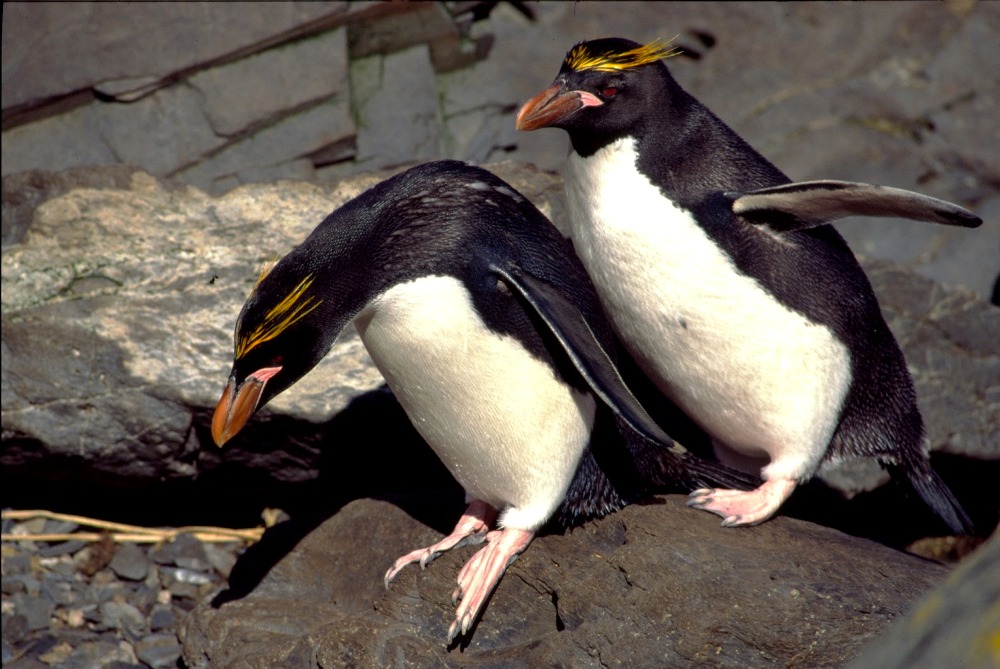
<point>740,507</point>
<point>482,572</point>
<point>470,529</point>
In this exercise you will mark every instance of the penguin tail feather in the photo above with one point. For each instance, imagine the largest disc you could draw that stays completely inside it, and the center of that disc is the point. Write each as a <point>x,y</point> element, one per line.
<point>936,494</point>
<point>709,473</point>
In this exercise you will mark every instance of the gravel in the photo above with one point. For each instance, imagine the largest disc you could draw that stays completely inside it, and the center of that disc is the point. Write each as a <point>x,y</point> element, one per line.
<point>102,605</point>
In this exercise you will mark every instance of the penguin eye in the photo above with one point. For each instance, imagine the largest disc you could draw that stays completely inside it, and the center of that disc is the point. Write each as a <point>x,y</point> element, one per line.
<point>609,92</point>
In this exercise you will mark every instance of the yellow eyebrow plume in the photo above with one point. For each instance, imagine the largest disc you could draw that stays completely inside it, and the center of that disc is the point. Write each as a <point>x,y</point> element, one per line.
<point>280,317</point>
<point>581,58</point>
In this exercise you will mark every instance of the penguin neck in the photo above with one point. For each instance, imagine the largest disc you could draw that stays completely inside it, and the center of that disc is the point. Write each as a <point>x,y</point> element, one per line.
<point>686,150</point>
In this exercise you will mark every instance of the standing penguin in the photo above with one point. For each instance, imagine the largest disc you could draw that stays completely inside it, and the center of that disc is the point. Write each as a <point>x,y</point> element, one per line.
<point>727,287</point>
<point>487,330</point>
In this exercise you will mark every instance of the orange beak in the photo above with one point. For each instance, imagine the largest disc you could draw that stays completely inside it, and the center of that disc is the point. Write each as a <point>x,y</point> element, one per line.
<point>238,403</point>
<point>551,106</point>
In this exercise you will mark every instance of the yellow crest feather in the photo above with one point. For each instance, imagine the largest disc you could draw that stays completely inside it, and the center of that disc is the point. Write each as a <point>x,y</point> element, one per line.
<point>581,58</point>
<point>280,317</point>
<point>265,269</point>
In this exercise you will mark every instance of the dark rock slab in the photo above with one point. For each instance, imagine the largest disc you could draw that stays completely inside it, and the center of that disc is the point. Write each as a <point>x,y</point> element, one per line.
<point>653,585</point>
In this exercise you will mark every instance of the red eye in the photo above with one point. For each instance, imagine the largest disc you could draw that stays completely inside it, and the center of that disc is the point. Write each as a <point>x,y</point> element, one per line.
<point>609,92</point>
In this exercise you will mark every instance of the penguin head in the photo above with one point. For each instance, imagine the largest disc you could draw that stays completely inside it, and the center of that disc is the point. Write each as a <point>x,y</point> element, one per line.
<point>301,304</point>
<point>288,324</point>
<point>606,87</point>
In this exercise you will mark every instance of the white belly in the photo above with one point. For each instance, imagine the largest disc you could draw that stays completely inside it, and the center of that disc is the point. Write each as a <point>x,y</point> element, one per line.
<point>506,427</point>
<point>759,377</point>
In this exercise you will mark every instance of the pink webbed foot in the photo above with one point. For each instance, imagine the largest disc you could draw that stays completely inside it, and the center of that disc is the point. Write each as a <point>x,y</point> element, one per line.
<point>738,507</point>
<point>470,529</point>
<point>482,573</point>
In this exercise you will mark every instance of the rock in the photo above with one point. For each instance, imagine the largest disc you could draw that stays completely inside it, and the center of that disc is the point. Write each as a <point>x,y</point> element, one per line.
<point>956,624</point>
<point>172,38</point>
<point>135,247</point>
<point>267,100</point>
<point>130,563</point>
<point>158,651</point>
<point>417,23</point>
<point>25,191</point>
<point>70,140</point>
<point>125,617</point>
<point>172,116</point>
<point>161,617</point>
<point>296,135</point>
<point>183,582</point>
<point>184,551</point>
<point>36,610</point>
<point>62,588</point>
<point>61,548</point>
<point>282,79</point>
<point>87,620</point>
<point>220,557</point>
<point>653,585</point>
<point>101,655</point>
<point>937,329</point>
<point>15,628</point>
<point>394,133</point>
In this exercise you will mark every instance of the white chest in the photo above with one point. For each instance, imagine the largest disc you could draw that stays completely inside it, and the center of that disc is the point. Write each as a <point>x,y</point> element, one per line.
<point>505,426</point>
<point>760,377</point>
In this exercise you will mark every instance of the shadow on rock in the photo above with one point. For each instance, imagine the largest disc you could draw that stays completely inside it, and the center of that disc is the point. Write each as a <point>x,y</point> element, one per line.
<point>369,449</point>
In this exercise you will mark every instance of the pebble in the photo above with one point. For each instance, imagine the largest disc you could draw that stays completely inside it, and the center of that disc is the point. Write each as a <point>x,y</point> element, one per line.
<point>70,605</point>
<point>130,563</point>
<point>159,650</point>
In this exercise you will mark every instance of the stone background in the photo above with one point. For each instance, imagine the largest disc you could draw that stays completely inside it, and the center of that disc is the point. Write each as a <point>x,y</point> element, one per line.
<point>217,94</point>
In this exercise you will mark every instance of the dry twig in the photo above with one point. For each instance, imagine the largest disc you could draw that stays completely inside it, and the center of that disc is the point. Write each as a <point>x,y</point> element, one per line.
<point>120,532</point>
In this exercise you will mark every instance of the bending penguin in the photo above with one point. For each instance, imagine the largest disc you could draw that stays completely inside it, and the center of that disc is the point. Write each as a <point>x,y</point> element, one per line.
<point>726,285</point>
<point>490,335</point>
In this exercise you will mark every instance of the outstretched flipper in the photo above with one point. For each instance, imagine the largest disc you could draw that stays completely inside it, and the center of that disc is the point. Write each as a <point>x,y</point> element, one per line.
<point>806,204</point>
<point>589,357</point>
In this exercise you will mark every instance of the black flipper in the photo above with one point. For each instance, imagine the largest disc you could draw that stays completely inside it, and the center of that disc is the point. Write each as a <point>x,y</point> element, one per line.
<point>806,204</point>
<point>570,327</point>
<point>588,356</point>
